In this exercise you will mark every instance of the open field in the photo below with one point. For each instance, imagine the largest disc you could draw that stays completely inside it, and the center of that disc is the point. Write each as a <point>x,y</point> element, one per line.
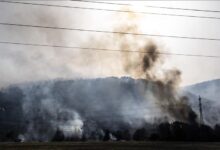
<point>111,146</point>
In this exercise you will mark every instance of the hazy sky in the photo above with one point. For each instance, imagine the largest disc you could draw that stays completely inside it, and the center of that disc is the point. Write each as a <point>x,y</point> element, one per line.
<point>26,63</point>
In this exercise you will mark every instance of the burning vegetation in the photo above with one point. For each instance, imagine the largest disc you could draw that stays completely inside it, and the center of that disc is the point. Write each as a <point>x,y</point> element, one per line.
<point>113,109</point>
<point>144,107</point>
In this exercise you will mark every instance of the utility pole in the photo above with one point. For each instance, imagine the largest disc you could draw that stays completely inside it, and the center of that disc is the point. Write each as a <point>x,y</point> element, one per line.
<point>200,111</point>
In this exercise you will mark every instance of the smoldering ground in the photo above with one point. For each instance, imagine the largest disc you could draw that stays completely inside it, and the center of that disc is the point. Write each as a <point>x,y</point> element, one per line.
<point>90,106</point>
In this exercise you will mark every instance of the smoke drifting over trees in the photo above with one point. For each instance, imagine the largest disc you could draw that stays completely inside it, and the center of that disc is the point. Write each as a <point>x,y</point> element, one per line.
<point>93,109</point>
<point>102,108</point>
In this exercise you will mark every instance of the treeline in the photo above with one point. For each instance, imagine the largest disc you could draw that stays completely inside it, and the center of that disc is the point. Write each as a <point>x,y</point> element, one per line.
<point>176,131</point>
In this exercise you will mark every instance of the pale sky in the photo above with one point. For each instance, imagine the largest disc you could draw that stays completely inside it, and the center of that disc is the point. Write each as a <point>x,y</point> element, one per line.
<point>25,63</point>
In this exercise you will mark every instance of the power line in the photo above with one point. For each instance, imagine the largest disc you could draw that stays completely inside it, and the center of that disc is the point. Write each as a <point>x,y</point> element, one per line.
<point>112,10</point>
<point>109,32</point>
<point>105,50</point>
<point>151,6</point>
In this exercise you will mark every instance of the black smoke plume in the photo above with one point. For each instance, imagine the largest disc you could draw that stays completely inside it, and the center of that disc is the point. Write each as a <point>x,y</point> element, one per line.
<point>101,108</point>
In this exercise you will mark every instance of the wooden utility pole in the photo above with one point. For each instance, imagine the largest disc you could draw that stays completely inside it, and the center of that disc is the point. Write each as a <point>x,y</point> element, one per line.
<point>200,111</point>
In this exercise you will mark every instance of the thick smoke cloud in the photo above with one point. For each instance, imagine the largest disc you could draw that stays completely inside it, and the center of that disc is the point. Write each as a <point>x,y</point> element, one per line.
<point>92,107</point>
<point>146,65</point>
